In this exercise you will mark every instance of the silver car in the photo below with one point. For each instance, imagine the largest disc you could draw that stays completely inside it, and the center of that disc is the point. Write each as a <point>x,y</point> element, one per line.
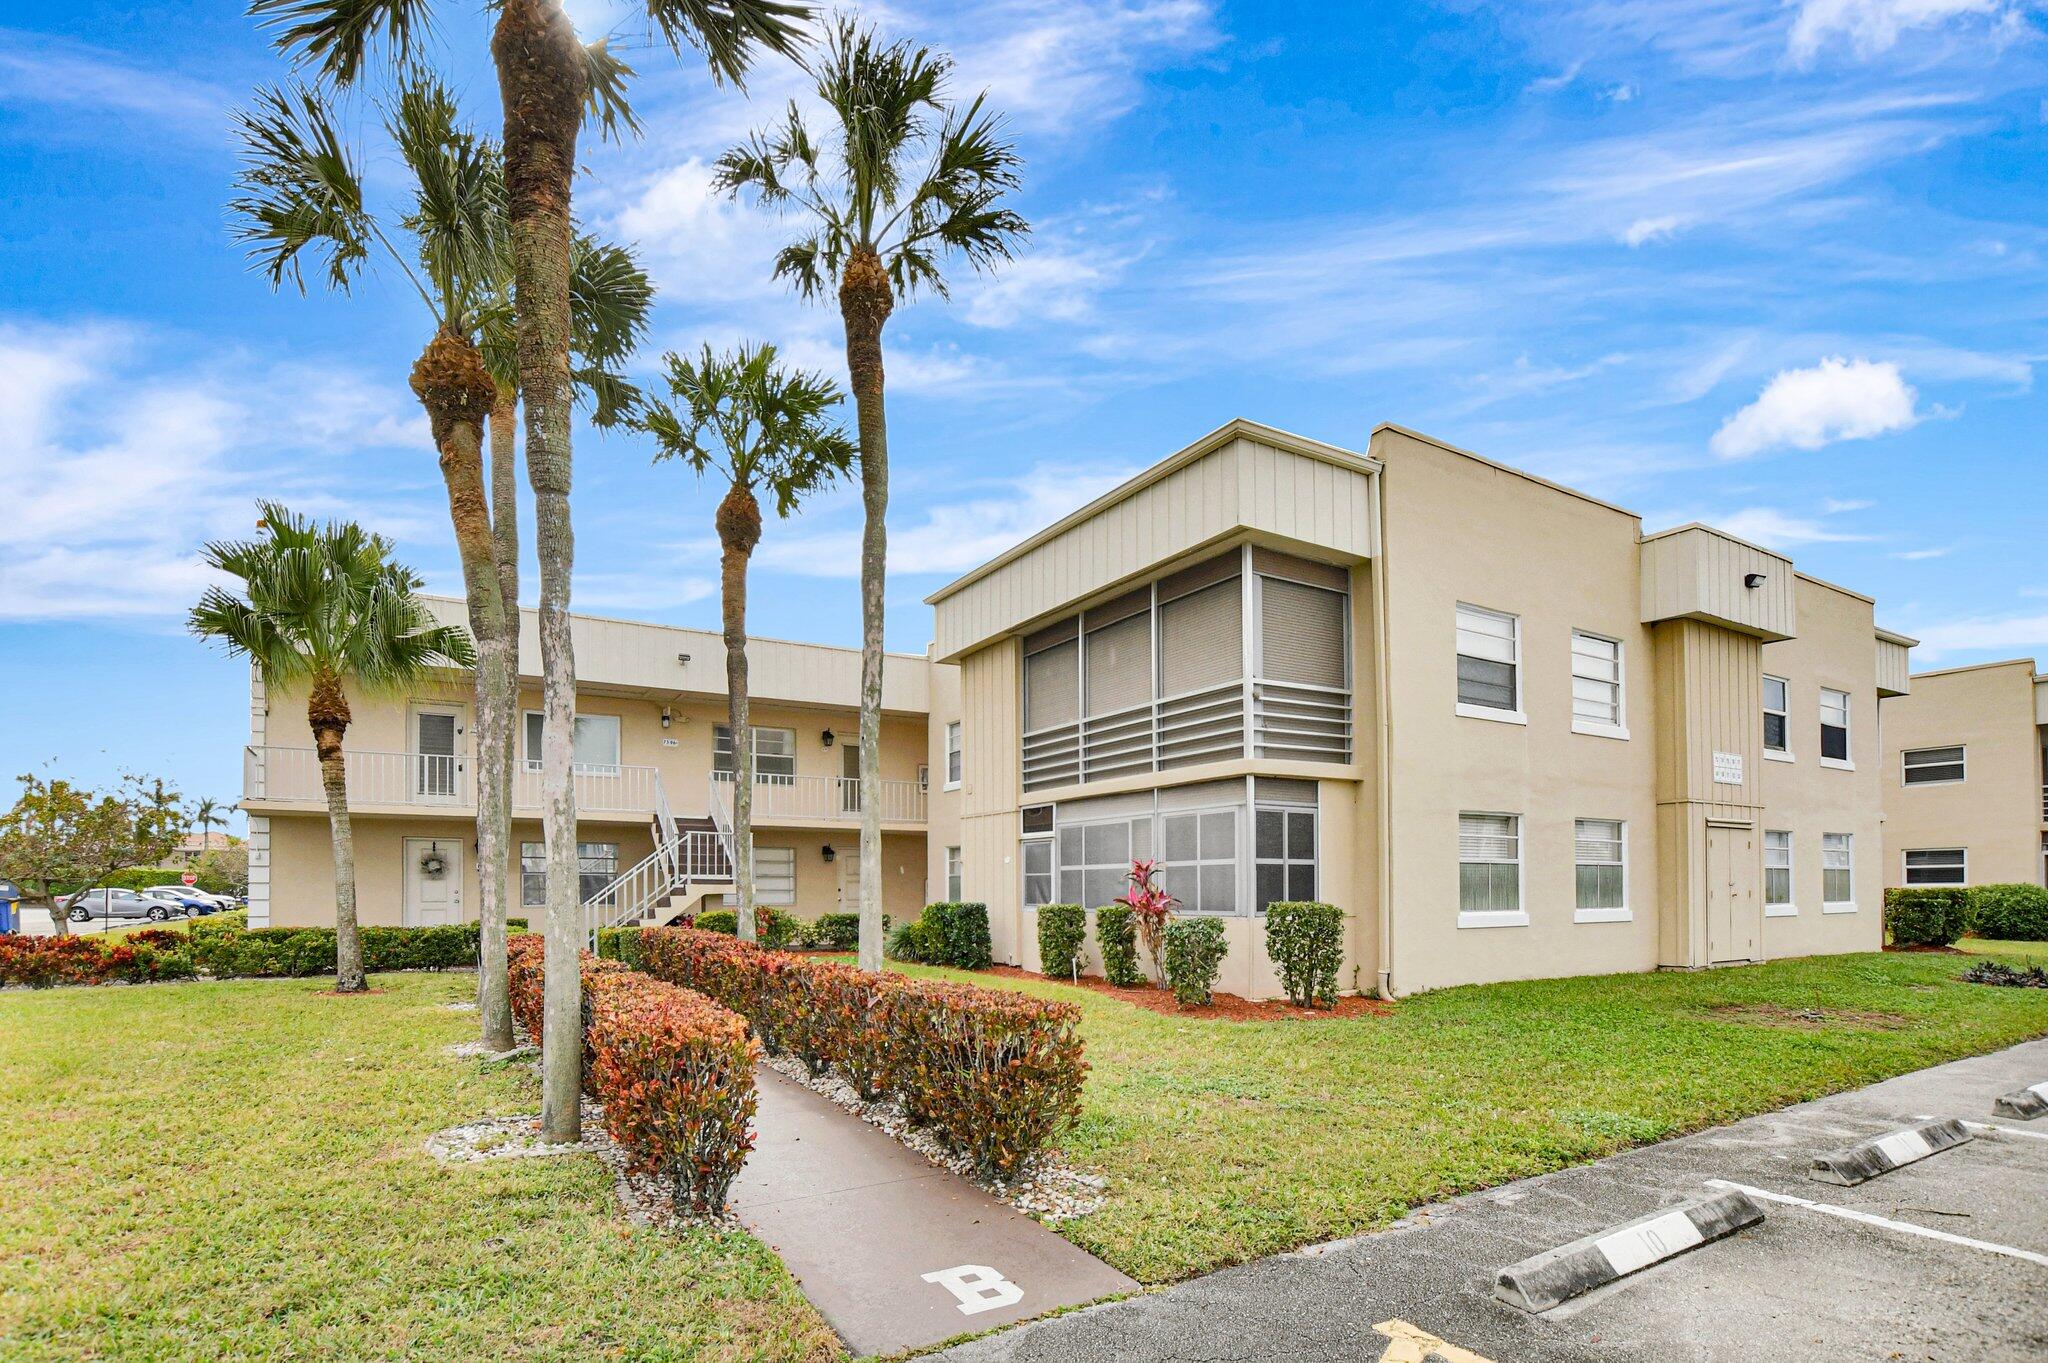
<point>121,904</point>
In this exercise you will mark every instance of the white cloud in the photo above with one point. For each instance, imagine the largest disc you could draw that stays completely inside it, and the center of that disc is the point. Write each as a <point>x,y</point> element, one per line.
<point>1775,529</point>
<point>1621,92</point>
<point>39,69</point>
<point>1060,64</point>
<point>1919,555</point>
<point>1837,399</point>
<point>1645,230</point>
<point>1870,27</point>
<point>698,243</point>
<point>1550,85</point>
<point>1059,284</point>
<point>1984,633</point>
<point>1835,506</point>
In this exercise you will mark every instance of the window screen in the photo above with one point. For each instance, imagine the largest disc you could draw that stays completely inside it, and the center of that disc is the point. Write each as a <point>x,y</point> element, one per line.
<point>1837,868</point>
<point>1037,859</point>
<point>1834,724</point>
<point>1937,866</point>
<point>1284,851</point>
<point>1931,766</point>
<point>1201,639</point>
<point>1301,633</point>
<point>1488,655</point>
<point>1095,859</point>
<point>595,746</point>
<point>1775,708</point>
<point>1777,866</point>
<point>774,754</point>
<point>597,865</point>
<point>1120,665</point>
<point>1597,850</point>
<point>1052,687</point>
<point>1489,863</point>
<point>952,875</point>
<point>775,875</point>
<point>1199,862</point>
<point>1596,681</point>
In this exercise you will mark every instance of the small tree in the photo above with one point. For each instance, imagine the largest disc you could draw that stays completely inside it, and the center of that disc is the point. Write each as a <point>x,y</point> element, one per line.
<point>1149,906</point>
<point>744,417</point>
<point>61,834</point>
<point>225,870</point>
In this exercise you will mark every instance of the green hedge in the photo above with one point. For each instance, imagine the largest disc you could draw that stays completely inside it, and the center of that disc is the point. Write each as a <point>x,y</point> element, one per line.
<point>1305,941</point>
<point>726,921</point>
<point>960,933</point>
<point>1062,939</point>
<point>1193,959</point>
<point>142,877</point>
<point>227,952</point>
<point>2010,913</point>
<point>1116,934</point>
<point>836,932</point>
<point>619,944</point>
<point>1926,915</point>
<point>916,942</point>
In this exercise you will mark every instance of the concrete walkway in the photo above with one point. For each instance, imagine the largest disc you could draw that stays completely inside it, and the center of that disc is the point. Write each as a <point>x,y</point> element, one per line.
<point>1937,1262</point>
<point>896,1252</point>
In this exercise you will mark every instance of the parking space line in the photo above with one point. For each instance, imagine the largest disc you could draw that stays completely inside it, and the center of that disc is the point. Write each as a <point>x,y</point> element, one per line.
<point>1907,1227</point>
<point>2006,1130</point>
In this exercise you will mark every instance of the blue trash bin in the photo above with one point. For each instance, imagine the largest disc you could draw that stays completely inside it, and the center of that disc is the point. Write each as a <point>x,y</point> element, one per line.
<point>10,906</point>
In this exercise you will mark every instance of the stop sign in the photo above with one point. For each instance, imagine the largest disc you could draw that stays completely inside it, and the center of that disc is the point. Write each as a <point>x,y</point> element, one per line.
<point>189,878</point>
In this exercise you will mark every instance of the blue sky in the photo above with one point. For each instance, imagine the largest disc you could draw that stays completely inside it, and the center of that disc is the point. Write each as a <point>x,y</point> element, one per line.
<point>1780,266</point>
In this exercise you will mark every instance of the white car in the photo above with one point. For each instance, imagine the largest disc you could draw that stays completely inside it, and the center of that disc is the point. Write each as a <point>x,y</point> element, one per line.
<point>188,893</point>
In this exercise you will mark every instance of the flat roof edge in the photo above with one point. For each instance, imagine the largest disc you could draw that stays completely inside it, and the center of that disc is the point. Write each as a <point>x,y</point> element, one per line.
<point>752,638</point>
<point>1537,478</point>
<point>2027,663</point>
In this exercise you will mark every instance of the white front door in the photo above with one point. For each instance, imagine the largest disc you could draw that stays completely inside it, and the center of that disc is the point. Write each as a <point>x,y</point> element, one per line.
<point>438,765</point>
<point>849,878</point>
<point>433,882</point>
<point>849,779</point>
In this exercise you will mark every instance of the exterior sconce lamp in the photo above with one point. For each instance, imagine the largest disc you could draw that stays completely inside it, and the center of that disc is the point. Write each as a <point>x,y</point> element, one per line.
<point>1752,580</point>
<point>830,738</point>
<point>666,718</point>
<point>830,855</point>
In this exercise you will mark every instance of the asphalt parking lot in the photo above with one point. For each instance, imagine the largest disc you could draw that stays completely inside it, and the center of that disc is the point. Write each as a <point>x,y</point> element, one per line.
<point>1942,1259</point>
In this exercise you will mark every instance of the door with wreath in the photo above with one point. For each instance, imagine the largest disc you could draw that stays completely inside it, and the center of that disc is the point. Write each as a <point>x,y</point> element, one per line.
<point>433,882</point>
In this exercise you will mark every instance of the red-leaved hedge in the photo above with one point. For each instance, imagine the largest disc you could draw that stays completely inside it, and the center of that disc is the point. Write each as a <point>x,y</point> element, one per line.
<point>136,958</point>
<point>997,1074</point>
<point>673,1070</point>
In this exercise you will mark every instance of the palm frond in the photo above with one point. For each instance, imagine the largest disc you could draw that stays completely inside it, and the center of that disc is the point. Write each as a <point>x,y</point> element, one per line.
<point>604,98</point>
<point>760,423</point>
<point>610,299</point>
<point>459,212</point>
<point>298,189</point>
<point>728,32</point>
<point>337,35</point>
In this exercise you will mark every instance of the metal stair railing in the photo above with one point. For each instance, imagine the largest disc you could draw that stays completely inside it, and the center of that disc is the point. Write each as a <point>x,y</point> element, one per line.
<point>676,861</point>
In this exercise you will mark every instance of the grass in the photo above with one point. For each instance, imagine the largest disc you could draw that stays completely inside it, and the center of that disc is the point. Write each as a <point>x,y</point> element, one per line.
<point>2013,953</point>
<point>234,1170</point>
<point>1226,1141</point>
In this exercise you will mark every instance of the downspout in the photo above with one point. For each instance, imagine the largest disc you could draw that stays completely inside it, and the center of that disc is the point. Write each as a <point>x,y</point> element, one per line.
<point>1384,712</point>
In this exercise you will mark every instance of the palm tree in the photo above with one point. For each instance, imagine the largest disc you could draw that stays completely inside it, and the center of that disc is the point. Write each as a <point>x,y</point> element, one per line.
<point>909,179</point>
<point>761,426</point>
<point>327,606</point>
<point>205,813</point>
<point>547,82</point>
<point>301,194</point>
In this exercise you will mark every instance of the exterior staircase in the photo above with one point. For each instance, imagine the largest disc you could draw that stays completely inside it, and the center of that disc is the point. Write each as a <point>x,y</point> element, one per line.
<point>692,857</point>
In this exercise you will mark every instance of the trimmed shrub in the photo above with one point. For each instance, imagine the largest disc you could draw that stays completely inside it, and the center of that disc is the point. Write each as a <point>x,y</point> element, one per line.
<point>1305,941</point>
<point>959,934</point>
<point>1062,939</point>
<point>836,932</point>
<point>526,980</point>
<point>997,1073</point>
<point>726,921</point>
<point>1116,934</point>
<point>1926,915</point>
<point>777,930</point>
<point>914,942</point>
<point>44,962</point>
<point>1193,959</point>
<point>2010,913</point>
<point>619,944</point>
<point>235,920</point>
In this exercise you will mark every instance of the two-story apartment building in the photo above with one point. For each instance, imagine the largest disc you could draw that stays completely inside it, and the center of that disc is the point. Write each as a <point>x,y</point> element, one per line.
<point>1509,733</point>
<point>1966,777</point>
<point>653,753</point>
<point>1512,735</point>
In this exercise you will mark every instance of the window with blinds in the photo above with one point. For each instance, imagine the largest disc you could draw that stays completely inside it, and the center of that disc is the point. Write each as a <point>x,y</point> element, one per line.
<point>1489,659</point>
<point>1119,665</point>
<point>1932,766</point>
<point>775,875</point>
<point>1301,633</point>
<point>774,754</point>
<point>1838,870</point>
<point>1052,687</point>
<point>1834,725</point>
<point>1596,683</point>
<point>1938,866</point>
<point>1599,856</point>
<point>1489,864</point>
<point>1777,868</point>
<point>1201,639</point>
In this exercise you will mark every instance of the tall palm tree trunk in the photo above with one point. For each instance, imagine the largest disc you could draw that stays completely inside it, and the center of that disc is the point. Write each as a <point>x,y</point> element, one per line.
<point>865,302</point>
<point>739,530</point>
<point>541,80</point>
<point>456,389</point>
<point>328,714</point>
<point>498,729</point>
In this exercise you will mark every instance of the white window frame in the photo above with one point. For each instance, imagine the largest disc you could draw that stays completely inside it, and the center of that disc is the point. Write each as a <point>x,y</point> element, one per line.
<point>1518,714</point>
<point>1284,861</point>
<point>1962,760</point>
<point>955,760</point>
<point>1623,914</point>
<point>1848,727</point>
<point>1500,918</point>
<point>952,875</point>
<point>1170,872</point>
<point>1783,754</point>
<point>723,733</point>
<point>585,851</point>
<point>1838,905</point>
<point>1618,729</point>
<point>532,760</point>
<point>777,898</point>
<point>1051,872</point>
<point>1906,867</point>
<point>1790,908</point>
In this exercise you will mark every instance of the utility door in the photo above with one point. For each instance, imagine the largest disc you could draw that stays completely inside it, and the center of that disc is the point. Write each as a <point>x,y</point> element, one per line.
<point>438,756</point>
<point>1734,923</point>
<point>433,881</point>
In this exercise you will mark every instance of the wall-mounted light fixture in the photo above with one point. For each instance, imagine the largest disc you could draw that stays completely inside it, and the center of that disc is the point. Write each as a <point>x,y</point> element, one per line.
<point>1752,580</point>
<point>666,718</point>
<point>830,855</point>
<point>829,738</point>
<point>683,658</point>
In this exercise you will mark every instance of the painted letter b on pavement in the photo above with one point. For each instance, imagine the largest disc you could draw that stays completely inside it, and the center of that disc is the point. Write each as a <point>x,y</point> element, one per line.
<point>978,1288</point>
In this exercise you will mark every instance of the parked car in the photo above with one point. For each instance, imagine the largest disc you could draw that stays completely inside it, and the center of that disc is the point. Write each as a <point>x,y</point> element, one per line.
<point>105,903</point>
<point>192,903</point>
<point>214,902</point>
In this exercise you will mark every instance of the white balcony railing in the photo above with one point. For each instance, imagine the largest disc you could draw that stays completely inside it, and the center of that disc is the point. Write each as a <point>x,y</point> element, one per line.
<point>437,780</point>
<point>835,798</point>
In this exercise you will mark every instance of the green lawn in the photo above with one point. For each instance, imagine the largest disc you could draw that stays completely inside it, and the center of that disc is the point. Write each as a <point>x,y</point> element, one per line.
<point>234,1170</point>
<point>1226,1141</point>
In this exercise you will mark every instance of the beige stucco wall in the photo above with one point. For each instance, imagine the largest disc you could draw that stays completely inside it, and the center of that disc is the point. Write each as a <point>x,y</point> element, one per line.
<point>1995,811</point>
<point>942,819</point>
<point>1460,529</point>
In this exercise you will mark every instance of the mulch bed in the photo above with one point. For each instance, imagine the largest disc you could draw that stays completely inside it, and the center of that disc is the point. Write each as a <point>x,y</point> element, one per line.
<point>1225,1008</point>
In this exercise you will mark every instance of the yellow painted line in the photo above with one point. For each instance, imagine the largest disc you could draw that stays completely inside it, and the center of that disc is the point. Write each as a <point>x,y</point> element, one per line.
<point>1407,1344</point>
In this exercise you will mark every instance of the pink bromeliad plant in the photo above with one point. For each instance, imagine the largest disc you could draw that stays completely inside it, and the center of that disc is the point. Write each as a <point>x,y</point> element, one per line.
<point>1150,906</point>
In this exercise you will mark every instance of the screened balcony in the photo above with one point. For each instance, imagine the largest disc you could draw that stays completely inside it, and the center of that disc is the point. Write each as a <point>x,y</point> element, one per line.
<point>1247,653</point>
